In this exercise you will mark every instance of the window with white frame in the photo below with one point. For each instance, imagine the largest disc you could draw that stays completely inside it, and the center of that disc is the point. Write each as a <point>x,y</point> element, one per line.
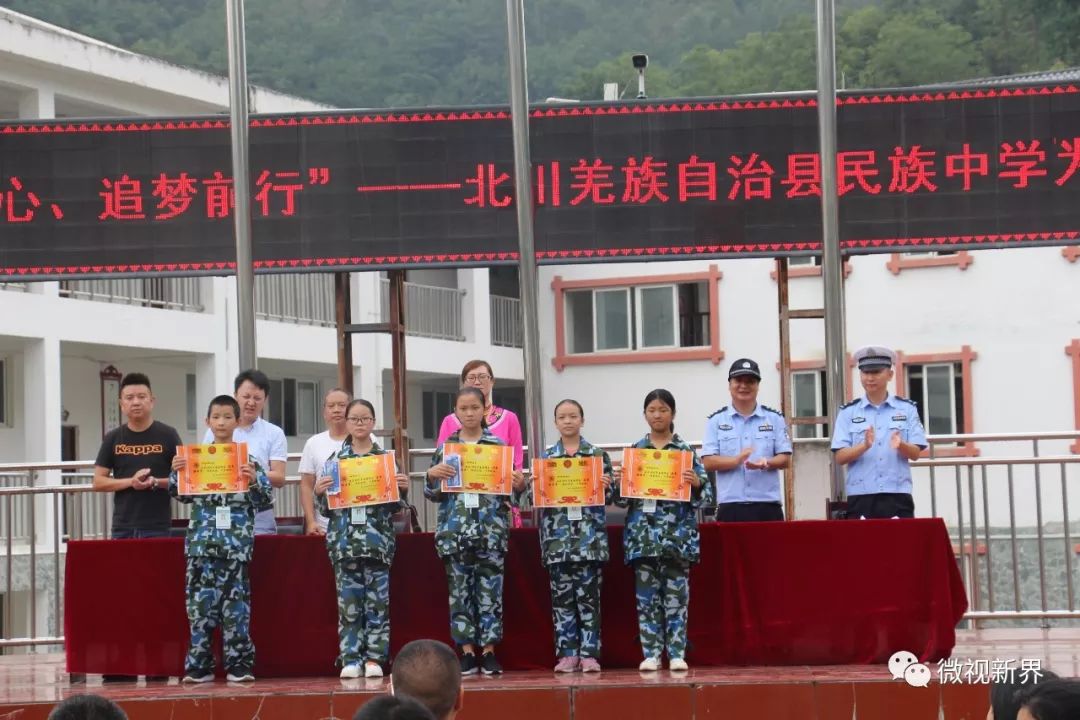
<point>805,261</point>
<point>808,390</point>
<point>294,406</point>
<point>645,317</point>
<point>938,389</point>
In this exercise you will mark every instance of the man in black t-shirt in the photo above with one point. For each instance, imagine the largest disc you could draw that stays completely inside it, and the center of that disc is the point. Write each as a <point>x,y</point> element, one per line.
<point>134,462</point>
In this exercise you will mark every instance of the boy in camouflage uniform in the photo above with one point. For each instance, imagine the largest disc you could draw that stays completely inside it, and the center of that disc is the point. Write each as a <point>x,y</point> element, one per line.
<point>574,547</point>
<point>219,545</point>
<point>471,537</point>
<point>361,545</point>
<point>661,542</point>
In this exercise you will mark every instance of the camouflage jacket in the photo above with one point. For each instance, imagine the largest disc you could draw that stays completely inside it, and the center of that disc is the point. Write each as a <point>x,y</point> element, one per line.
<point>203,539</point>
<point>486,527</point>
<point>566,540</point>
<point>671,531</point>
<point>372,539</point>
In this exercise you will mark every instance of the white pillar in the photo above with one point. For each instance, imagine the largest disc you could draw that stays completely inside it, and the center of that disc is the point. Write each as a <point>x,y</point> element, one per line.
<point>476,305</point>
<point>39,104</point>
<point>42,405</point>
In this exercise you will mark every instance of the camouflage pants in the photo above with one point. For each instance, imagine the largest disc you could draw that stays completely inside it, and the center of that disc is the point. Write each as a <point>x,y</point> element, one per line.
<point>663,597</point>
<point>363,587</point>
<point>575,608</point>
<point>218,594</point>
<point>475,578</point>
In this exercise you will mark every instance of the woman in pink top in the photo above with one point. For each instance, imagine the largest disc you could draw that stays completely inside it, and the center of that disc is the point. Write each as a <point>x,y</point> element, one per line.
<point>501,422</point>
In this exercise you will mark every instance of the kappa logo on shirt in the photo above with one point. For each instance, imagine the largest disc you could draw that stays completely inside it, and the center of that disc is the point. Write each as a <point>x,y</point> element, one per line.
<point>139,449</point>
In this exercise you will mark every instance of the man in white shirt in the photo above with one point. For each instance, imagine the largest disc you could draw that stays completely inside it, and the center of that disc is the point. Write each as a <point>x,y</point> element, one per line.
<point>265,440</point>
<point>317,450</point>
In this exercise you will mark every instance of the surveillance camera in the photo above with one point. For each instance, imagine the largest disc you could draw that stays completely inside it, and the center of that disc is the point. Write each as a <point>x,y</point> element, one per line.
<point>641,61</point>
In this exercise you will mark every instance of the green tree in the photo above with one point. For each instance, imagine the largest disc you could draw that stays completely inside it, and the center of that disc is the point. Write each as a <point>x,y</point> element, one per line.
<point>920,48</point>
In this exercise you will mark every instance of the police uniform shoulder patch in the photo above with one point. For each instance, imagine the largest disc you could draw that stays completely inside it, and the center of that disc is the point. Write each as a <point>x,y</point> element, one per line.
<point>772,410</point>
<point>850,404</point>
<point>717,412</point>
<point>905,400</point>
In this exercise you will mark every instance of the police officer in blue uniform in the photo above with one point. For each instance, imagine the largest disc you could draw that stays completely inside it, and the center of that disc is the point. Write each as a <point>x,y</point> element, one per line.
<point>876,437</point>
<point>747,445</point>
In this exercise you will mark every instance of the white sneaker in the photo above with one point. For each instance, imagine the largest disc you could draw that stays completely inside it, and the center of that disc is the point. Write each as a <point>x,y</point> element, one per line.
<point>350,672</point>
<point>208,677</point>
<point>678,665</point>
<point>649,664</point>
<point>240,676</point>
<point>372,670</point>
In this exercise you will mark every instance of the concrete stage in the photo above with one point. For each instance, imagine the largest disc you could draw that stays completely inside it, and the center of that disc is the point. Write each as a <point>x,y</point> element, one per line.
<point>31,684</point>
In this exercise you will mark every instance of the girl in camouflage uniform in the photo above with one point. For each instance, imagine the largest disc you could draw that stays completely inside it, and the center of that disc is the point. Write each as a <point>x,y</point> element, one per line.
<point>361,543</point>
<point>661,541</point>
<point>574,546</point>
<point>471,537</point>
<point>219,545</point>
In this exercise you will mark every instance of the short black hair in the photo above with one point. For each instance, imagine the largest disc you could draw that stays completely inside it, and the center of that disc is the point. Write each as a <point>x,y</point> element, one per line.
<point>87,707</point>
<point>255,377</point>
<point>393,707</point>
<point>1057,699</point>
<point>1005,695</point>
<point>224,401</point>
<point>135,379</point>
<point>428,670</point>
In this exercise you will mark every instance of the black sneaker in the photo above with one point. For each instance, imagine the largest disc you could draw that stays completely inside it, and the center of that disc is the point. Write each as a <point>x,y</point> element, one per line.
<point>490,664</point>
<point>468,664</point>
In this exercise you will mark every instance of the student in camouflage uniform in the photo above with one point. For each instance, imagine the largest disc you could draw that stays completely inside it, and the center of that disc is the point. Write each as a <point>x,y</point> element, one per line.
<point>361,545</point>
<point>574,547</point>
<point>218,549</point>
<point>471,537</point>
<point>661,542</point>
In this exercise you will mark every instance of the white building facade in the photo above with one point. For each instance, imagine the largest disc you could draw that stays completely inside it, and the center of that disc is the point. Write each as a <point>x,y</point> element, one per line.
<point>989,341</point>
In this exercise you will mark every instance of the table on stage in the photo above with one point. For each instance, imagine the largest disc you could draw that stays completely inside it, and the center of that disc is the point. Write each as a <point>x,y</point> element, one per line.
<point>791,593</point>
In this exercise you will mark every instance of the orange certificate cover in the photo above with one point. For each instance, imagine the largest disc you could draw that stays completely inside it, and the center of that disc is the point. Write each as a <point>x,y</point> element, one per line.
<point>655,474</point>
<point>559,482</point>
<point>212,469</point>
<point>367,480</point>
<point>485,469</point>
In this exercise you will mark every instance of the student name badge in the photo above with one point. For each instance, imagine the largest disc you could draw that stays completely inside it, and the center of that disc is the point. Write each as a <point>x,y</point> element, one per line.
<point>573,512</point>
<point>222,517</point>
<point>358,516</point>
<point>648,506</point>
<point>472,500</point>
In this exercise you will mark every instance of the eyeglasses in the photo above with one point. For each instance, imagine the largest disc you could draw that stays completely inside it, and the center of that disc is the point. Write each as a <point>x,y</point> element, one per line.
<point>360,420</point>
<point>483,377</point>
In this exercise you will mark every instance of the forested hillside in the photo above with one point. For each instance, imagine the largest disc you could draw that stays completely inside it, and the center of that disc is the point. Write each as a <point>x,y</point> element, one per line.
<point>370,53</point>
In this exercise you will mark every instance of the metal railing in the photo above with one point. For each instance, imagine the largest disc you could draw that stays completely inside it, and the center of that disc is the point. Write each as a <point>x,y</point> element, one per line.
<point>430,311</point>
<point>999,544</point>
<point>15,286</point>
<point>1012,571</point>
<point>506,327</point>
<point>170,293</point>
<point>304,299</point>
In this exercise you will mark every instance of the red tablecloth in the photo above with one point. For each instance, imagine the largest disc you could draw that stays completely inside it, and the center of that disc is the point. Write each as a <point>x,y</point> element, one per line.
<point>765,593</point>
